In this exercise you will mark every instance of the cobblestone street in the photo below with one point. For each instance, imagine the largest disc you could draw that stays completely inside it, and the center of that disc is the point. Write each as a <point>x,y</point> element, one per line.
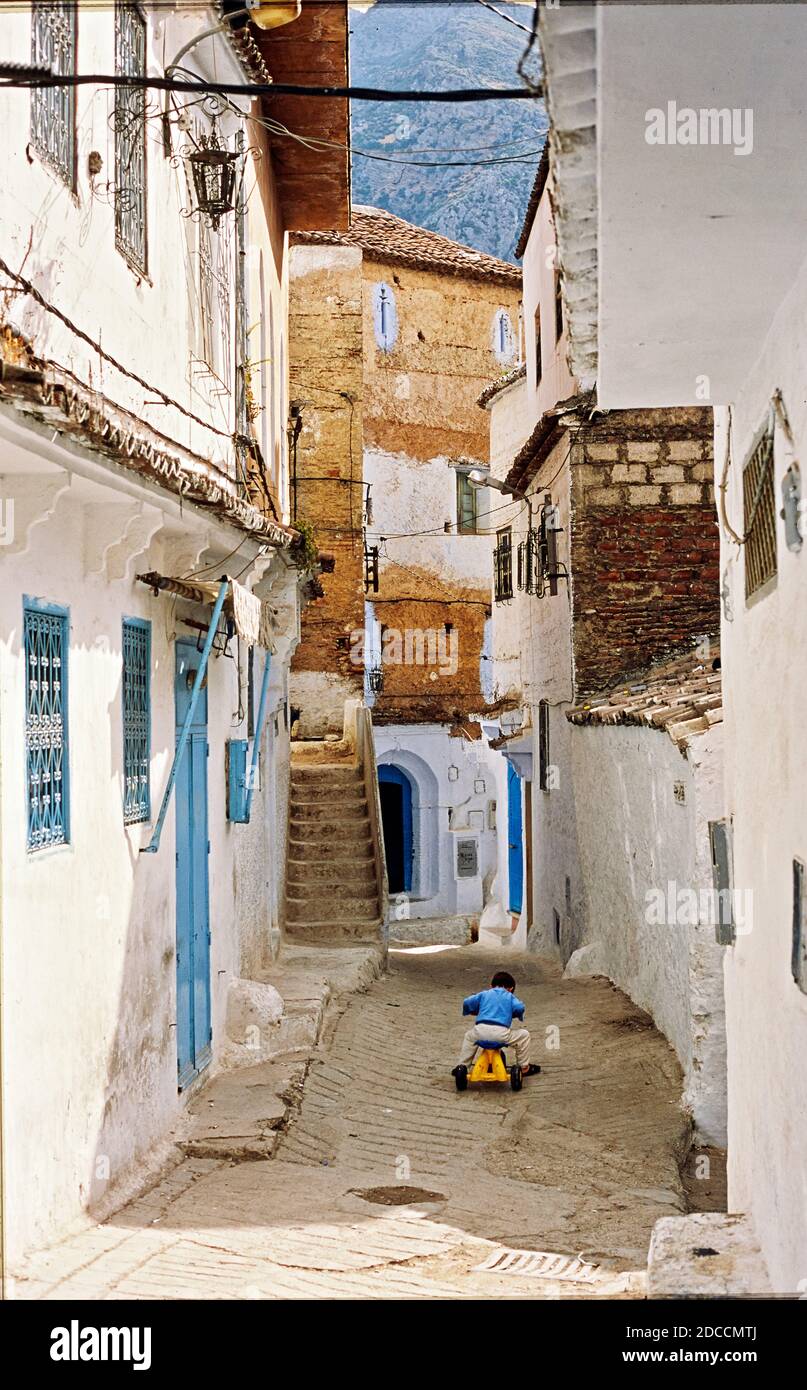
<point>583,1161</point>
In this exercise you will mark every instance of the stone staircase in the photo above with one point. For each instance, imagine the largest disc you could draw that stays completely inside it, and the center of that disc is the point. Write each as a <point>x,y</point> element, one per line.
<point>332,892</point>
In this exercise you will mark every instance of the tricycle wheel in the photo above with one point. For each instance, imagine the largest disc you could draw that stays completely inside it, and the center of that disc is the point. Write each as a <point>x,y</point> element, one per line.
<point>461,1078</point>
<point>515,1078</point>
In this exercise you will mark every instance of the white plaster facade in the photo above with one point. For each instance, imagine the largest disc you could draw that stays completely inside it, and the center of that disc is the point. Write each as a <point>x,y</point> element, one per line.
<point>642,820</point>
<point>454,797</point>
<point>88,1006</point>
<point>705,218</point>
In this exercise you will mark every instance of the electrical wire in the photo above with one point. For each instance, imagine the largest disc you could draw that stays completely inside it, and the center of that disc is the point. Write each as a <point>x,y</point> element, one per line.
<point>451,96</point>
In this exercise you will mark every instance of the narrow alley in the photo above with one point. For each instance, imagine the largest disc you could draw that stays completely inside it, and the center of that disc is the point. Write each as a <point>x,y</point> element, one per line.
<point>583,1162</point>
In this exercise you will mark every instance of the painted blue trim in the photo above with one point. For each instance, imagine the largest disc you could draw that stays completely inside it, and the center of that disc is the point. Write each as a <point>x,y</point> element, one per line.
<point>256,742</point>
<point>143,804</point>
<point>33,605</point>
<point>515,842</point>
<point>395,776</point>
<point>154,843</point>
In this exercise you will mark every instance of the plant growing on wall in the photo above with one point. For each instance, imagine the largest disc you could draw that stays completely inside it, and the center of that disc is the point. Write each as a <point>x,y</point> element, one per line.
<point>305,549</point>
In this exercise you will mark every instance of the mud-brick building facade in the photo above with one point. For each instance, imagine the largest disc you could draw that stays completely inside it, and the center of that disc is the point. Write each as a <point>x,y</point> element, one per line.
<point>395,331</point>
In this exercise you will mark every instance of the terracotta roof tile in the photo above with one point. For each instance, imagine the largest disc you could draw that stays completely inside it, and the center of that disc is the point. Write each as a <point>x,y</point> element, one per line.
<point>501,384</point>
<point>384,237</point>
<point>681,696</point>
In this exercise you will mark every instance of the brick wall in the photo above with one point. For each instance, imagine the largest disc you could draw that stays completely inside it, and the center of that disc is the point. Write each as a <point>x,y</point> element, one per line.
<point>325,358</point>
<point>644,541</point>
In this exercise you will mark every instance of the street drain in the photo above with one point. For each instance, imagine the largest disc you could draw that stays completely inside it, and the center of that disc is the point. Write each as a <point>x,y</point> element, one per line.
<point>396,1196</point>
<point>538,1264</point>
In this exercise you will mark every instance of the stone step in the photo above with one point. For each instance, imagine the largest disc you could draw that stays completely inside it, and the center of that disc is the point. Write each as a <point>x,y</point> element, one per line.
<point>331,933</point>
<point>327,775</point>
<point>329,907</point>
<point>341,853</point>
<point>347,873</point>
<point>346,830</point>
<point>327,796</point>
<point>342,808</point>
<point>319,888</point>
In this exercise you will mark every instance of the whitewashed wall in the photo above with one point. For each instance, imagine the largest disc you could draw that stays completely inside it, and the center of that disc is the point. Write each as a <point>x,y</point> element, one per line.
<point>635,840</point>
<point>764,651</point>
<point>88,1006</point>
<point>443,811</point>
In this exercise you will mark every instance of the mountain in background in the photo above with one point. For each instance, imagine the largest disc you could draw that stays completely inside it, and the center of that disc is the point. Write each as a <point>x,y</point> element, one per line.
<point>431,45</point>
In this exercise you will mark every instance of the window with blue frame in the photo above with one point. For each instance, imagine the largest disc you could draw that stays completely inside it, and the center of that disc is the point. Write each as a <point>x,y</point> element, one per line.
<point>46,636</point>
<point>136,720</point>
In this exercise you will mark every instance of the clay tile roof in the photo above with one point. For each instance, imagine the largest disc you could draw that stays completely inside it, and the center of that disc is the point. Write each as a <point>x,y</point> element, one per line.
<point>502,383</point>
<point>384,237</point>
<point>538,187</point>
<point>681,696</point>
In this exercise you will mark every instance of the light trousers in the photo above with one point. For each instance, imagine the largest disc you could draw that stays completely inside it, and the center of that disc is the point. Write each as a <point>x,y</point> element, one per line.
<point>519,1038</point>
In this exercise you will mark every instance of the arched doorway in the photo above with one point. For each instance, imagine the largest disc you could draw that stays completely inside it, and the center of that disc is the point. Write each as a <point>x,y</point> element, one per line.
<point>396,818</point>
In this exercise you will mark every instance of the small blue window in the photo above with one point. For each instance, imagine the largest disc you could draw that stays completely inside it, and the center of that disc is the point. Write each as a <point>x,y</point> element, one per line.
<point>45,646</point>
<point>385,317</point>
<point>503,339</point>
<point>136,720</point>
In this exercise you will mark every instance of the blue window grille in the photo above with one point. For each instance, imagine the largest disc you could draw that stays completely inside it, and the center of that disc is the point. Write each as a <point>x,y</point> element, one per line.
<point>130,136</point>
<point>45,644</point>
<point>136,721</point>
<point>53,109</point>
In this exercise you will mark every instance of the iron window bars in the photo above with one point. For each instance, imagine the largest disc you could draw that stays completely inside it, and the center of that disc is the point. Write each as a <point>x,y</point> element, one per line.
<point>136,721</point>
<point>537,555</point>
<point>53,109</point>
<point>45,645</point>
<point>130,136</point>
<point>503,566</point>
<point>759,513</point>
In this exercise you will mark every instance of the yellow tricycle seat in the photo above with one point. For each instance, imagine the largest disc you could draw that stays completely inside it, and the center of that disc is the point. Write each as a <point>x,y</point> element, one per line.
<point>489,1064</point>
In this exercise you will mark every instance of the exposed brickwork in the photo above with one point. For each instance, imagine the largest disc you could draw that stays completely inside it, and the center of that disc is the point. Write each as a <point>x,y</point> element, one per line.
<point>644,543</point>
<point>414,401</point>
<point>325,358</point>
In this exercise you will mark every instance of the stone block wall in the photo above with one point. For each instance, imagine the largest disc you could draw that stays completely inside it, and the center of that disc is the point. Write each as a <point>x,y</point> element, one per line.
<point>644,541</point>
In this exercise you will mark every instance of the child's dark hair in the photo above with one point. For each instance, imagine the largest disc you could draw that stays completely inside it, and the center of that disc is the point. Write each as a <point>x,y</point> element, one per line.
<point>502,980</point>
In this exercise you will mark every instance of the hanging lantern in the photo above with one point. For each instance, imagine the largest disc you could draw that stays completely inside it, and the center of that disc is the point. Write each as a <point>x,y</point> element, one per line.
<point>272,16</point>
<point>213,170</point>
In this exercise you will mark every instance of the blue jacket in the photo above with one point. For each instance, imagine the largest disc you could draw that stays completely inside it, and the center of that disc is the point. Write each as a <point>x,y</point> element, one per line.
<point>497,1006</point>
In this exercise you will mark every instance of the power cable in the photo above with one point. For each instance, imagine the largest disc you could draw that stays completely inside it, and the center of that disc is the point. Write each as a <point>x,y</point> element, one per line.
<point>268,89</point>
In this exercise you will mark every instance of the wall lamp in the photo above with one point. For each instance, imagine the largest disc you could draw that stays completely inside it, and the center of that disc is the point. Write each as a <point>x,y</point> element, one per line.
<point>482,477</point>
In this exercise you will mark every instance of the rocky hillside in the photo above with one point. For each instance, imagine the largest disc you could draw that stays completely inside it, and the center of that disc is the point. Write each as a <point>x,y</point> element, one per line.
<point>433,45</point>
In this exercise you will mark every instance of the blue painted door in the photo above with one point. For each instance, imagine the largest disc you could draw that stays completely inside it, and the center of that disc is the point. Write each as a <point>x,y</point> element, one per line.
<point>515,849</point>
<point>396,818</point>
<point>194,1032</point>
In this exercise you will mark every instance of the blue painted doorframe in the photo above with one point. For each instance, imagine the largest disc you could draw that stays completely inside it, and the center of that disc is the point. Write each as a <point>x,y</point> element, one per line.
<point>397,824</point>
<point>194,1032</point>
<point>515,842</point>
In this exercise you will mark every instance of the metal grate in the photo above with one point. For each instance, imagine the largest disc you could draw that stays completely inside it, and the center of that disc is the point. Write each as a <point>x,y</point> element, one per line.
<point>136,720</point>
<point>503,567</point>
<point>759,515</point>
<point>130,136</point>
<point>45,643</point>
<point>53,109</point>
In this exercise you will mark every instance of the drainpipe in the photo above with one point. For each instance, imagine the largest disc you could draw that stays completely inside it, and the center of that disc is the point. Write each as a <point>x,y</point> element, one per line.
<point>154,843</point>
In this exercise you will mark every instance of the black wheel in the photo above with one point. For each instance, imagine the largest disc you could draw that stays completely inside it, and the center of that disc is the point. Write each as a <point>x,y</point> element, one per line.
<point>461,1078</point>
<point>515,1078</point>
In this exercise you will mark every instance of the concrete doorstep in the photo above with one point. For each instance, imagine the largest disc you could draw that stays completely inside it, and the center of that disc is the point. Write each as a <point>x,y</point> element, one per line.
<point>273,1027</point>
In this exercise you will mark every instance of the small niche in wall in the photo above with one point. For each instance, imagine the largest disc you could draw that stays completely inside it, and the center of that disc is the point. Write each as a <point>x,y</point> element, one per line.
<point>385,317</point>
<point>503,338</point>
<point>799,956</point>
